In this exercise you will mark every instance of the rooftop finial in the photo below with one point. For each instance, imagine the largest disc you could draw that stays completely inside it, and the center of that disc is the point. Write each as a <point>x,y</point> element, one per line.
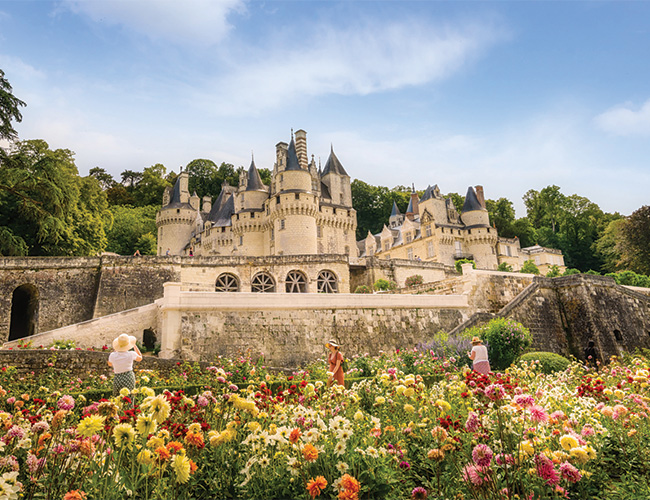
<point>292,133</point>
<point>413,188</point>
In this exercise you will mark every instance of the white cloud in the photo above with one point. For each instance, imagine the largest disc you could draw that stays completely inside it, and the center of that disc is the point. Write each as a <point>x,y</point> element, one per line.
<point>624,120</point>
<point>201,22</point>
<point>16,69</point>
<point>373,58</point>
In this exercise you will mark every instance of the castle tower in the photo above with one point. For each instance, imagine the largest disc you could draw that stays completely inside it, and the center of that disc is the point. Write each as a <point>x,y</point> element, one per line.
<point>474,212</point>
<point>396,218</point>
<point>294,208</point>
<point>248,226</point>
<point>337,180</point>
<point>480,238</point>
<point>176,220</point>
<point>413,209</point>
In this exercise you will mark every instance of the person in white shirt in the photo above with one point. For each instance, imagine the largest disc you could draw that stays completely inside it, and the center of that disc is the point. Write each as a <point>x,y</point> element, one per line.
<point>121,360</point>
<point>479,355</point>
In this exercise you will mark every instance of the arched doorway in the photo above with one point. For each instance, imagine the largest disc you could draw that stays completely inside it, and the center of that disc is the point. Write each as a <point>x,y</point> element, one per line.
<point>24,312</point>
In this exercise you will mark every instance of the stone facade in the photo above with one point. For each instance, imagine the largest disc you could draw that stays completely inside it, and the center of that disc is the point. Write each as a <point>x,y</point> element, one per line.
<point>433,231</point>
<point>305,210</point>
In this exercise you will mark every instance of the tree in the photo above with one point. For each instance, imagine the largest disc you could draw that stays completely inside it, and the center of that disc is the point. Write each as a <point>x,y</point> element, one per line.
<point>151,186</point>
<point>635,241</point>
<point>45,207</point>
<point>207,179</point>
<point>609,245</point>
<point>529,267</point>
<point>544,208</point>
<point>502,216</point>
<point>9,109</point>
<point>105,179</point>
<point>524,230</point>
<point>129,230</point>
<point>458,201</point>
<point>130,178</point>
<point>374,204</point>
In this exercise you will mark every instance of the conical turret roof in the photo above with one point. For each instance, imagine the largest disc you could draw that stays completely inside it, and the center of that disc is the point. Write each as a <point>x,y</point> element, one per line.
<point>395,210</point>
<point>254,180</point>
<point>292,157</point>
<point>471,201</point>
<point>333,165</point>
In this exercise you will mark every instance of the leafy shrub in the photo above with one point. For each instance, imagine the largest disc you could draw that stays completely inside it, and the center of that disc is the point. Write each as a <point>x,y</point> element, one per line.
<point>504,267</point>
<point>506,340</point>
<point>384,285</point>
<point>570,272</point>
<point>553,272</point>
<point>630,278</point>
<point>63,344</point>
<point>414,280</point>
<point>529,267</point>
<point>460,262</point>
<point>363,289</point>
<point>549,362</point>
<point>592,272</point>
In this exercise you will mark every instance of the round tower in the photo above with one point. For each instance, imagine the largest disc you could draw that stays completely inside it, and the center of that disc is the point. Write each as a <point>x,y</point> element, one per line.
<point>176,220</point>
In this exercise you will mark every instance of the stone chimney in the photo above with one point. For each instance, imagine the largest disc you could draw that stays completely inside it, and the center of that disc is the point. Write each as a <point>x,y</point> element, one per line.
<point>480,195</point>
<point>207,204</point>
<point>281,155</point>
<point>301,148</point>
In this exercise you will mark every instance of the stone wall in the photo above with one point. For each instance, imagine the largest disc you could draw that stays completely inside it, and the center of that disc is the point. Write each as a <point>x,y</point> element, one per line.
<point>367,270</point>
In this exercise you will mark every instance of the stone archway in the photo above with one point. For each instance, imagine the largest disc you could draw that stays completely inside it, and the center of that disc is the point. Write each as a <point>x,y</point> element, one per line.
<point>24,312</point>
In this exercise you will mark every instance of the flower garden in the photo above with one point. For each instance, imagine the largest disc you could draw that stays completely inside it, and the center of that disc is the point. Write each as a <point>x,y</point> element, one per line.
<point>412,424</point>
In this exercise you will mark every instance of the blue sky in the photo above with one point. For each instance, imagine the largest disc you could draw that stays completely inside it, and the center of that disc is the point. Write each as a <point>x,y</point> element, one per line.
<point>512,95</point>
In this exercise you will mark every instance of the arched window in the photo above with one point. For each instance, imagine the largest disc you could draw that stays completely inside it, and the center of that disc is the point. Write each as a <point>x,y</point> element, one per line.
<point>263,283</point>
<point>227,282</point>
<point>327,282</point>
<point>24,312</point>
<point>296,282</point>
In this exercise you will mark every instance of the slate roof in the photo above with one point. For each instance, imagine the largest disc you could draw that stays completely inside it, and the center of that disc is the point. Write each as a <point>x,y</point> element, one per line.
<point>254,180</point>
<point>471,201</point>
<point>333,165</point>
<point>409,209</point>
<point>175,198</point>
<point>223,218</point>
<point>395,210</point>
<point>428,193</point>
<point>292,157</point>
<point>217,206</point>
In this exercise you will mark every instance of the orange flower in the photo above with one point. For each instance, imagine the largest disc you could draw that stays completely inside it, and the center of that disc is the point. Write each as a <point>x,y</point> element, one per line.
<point>315,486</point>
<point>193,466</point>
<point>389,428</point>
<point>163,453</point>
<point>310,452</point>
<point>295,435</point>
<point>43,437</point>
<point>87,448</point>
<point>350,483</point>
<point>174,446</point>
<point>194,439</point>
<point>58,418</point>
<point>75,495</point>
<point>348,495</point>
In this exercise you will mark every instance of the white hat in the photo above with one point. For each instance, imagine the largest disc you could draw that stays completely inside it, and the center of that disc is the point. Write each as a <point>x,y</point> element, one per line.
<point>333,343</point>
<point>124,343</point>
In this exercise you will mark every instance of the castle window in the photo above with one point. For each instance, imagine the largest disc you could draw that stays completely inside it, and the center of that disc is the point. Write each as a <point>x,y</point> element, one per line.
<point>281,179</point>
<point>178,210</point>
<point>272,234</point>
<point>319,231</point>
<point>508,251</point>
<point>347,249</point>
<point>277,200</point>
<point>281,224</point>
<point>410,254</point>
<point>334,211</point>
<point>386,246</point>
<point>408,237</point>
<point>348,213</point>
<point>241,240</point>
<point>227,282</point>
<point>428,230</point>
<point>430,249</point>
<point>296,282</point>
<point>459,248</point>
<point>297,196</point>
<point>327,282</point>
<point>469,231</point>
<point>262,283</point>
<point>345,233</point>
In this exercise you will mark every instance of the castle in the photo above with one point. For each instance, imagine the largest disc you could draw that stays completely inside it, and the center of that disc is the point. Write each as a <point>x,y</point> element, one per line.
<point>307,210</point>
<point>432,230</point>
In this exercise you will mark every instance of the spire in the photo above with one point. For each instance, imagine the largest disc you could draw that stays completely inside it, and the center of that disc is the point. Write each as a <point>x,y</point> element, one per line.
<point>395,211</point>
<point>409,209</point>
<point>333,165</point>
<point>292,157</point>
<point>471,201</point>
<point>428,193</point>
<point>254,180</point>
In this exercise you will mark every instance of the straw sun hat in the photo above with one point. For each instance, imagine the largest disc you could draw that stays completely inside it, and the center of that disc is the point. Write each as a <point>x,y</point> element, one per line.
<point>124,343</point>
<point>333,343</point>
<point>476,340</point>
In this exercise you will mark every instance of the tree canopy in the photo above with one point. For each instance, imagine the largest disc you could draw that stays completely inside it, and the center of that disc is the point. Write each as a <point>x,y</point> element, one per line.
<point>9,109</point>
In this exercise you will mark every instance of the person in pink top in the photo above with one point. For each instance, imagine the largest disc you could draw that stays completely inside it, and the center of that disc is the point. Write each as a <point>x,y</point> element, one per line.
<point>121,360</point>
<point>479,355</point>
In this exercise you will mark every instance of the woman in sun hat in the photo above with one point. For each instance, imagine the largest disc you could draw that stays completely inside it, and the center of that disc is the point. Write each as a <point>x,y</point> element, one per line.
<point>479,355</point>
<point>121,359</point>
<point>335,360</point>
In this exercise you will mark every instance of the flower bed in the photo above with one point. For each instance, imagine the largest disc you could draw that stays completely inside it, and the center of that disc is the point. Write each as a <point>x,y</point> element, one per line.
<point>235,430</point>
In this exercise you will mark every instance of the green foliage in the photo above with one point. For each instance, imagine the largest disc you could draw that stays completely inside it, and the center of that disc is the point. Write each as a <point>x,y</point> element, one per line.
<point>529,267</point>
<point>570,271</point>
<point>502,216</point>
<point>374,204</point>
<point>593,273</point>
<point>460,262</point>
<point>45,207</point>
<point>363,289</point>
<point>553,272</point>
<point>549,362</point>
<point>384,285</point>
<point>130,227</point>
<point>9,109</point>
<point>635,241</point>
<point>207,179</point>
<point>414,280</point>
<point>631,278</point>
<point>63,344</point>
<point>524,230</point>
<point>506,340</point>
<point>504,267</point>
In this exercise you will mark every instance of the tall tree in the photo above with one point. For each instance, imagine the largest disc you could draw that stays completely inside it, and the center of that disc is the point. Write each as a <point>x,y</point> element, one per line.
<point>608,246</point>
<point>9,109</point>
<point>45,207</point>
<point>151,186</point>
<point>129,230</point>
<point>130,178</point>
<point>502,215</point>
<point>105,179</point>
<point>635,241</point>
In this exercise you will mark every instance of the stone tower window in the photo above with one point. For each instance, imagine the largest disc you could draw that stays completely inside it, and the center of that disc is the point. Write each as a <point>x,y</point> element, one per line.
<point>281,224</point>
<point>319,231</point>
<point>241,240</point>
<point>410,254</point>
<point>297,196</point>
<point>262,283</point>
<point>227,282</point>
<point>617,335</point>
<point>429,230</point>
<point>327,282</point>
<point>296,282</point>
<point>430,249</point>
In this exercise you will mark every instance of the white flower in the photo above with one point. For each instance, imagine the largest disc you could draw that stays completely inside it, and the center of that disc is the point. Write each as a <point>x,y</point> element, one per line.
<point>339,449</point>
<point>342,467</point>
